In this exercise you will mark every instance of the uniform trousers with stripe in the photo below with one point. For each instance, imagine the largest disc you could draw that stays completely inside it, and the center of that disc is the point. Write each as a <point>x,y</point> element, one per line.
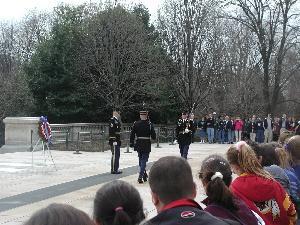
<point>115,157</point>
<point>143,159</point>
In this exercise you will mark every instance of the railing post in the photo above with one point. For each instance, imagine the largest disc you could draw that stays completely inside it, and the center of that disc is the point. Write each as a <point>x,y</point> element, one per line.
<point>67,140</point>
<point>158,137</point>
<point>91,137</point>
<point>31,140</point>
<point>173,137</point>
<point>103,139</point>
<point>78,140</point>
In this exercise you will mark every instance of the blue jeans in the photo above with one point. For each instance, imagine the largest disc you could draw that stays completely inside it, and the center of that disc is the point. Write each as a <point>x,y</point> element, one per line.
<point>184,150</point>
<point>210,134</point>
<point>115,156</point>
<point>202,134</point>
<point>221,136</point>
<point>260,136</point>
<point>143,159</point>
<point>229,136</point>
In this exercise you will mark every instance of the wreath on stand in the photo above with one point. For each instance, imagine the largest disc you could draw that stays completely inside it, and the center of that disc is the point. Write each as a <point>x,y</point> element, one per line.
<point>45,130</point>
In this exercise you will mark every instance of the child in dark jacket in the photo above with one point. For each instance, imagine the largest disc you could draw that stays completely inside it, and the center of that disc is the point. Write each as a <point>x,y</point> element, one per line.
<point>215,175</point>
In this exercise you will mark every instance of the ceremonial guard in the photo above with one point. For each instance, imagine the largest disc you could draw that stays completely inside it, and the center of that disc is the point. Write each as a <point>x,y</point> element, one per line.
<point>184,134</point>
<point>143,131</point>
<point>115,141</point>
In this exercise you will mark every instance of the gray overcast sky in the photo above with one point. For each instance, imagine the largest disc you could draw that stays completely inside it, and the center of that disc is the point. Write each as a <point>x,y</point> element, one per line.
<point>15,9</point>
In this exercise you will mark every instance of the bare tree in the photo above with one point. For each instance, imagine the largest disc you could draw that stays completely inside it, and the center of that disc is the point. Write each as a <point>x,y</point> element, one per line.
<point>14,93</point>
<point>116,58</point>
<point>31,31</point>
<point>236,91</point>
<point>186,28</point>
<point>269,21</point>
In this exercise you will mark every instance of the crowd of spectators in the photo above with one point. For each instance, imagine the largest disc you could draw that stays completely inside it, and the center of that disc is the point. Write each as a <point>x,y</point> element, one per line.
<point>253,184</point>
<point>225,129</point>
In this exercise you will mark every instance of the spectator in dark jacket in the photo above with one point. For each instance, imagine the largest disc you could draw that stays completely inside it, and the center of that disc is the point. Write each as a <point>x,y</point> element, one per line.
<point>216,176</point>
<point>268,158</point>
<point>210,128</point>
<point>260,131</point>
<point>229,130</point>
<point>202,129</point>
<point>173,192</point>
<point>221,129</point>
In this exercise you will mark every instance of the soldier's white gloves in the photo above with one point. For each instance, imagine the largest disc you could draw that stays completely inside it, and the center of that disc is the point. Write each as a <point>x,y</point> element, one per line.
<point>175,142</point>
<point>186,131</point>
<point>115,143</point>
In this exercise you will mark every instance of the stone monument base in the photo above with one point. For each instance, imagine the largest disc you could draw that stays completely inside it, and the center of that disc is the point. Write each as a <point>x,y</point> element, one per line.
<point>20,134</point>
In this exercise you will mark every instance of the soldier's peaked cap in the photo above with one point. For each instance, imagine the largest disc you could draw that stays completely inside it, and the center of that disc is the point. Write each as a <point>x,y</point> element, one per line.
<point>143,112</point>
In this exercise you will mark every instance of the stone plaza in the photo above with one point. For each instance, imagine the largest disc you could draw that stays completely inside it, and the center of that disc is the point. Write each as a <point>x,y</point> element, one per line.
<point>26,187</point>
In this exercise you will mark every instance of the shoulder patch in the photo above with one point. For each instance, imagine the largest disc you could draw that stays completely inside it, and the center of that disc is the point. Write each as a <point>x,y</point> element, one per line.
<point>187,214</point>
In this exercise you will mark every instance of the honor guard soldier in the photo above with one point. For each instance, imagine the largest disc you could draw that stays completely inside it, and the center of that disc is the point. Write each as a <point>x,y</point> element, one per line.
<point>143,131</point>
<point>115,141</point>
<point>184,134</point>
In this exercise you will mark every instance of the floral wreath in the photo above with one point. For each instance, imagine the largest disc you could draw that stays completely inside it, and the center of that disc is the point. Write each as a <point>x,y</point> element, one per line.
<point>44,129</point>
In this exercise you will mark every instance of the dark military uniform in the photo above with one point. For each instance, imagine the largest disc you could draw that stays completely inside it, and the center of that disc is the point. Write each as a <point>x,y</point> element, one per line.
<point>144,131</point>
<point>115,143</point>
<point>184,136</point>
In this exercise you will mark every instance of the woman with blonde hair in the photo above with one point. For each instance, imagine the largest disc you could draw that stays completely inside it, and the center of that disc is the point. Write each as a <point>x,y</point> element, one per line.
<point>257,188</point>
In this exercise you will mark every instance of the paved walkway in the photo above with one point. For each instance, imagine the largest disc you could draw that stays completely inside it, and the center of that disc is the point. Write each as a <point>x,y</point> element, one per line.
<point>25,188</point>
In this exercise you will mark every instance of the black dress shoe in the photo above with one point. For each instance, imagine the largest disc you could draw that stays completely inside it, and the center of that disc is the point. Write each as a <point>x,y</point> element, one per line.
<point>145,177</point>
<point>116,172</point>
<point>140,181</point>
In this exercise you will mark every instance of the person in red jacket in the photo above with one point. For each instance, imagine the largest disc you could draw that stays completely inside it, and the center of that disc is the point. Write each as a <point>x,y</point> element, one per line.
<point>238,127</point>
<point>258,189</point>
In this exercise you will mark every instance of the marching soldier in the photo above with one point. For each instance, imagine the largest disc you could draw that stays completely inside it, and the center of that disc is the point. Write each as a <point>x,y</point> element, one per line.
<point>184,134</point>
<point>115,141</point>
<point>144,131</point>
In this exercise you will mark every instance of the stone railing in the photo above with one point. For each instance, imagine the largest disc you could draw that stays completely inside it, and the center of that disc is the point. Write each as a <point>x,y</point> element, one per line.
<point>94,136</point>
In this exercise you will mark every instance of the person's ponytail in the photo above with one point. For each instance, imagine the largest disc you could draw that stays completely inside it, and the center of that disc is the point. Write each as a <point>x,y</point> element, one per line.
<point>218,192</point>
<point>121,217</point>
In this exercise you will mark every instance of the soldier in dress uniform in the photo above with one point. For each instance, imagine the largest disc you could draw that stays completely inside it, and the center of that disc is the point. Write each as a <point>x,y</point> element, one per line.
<point>184,134</point>
<point>143,131</point>
<point>115,141</point>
